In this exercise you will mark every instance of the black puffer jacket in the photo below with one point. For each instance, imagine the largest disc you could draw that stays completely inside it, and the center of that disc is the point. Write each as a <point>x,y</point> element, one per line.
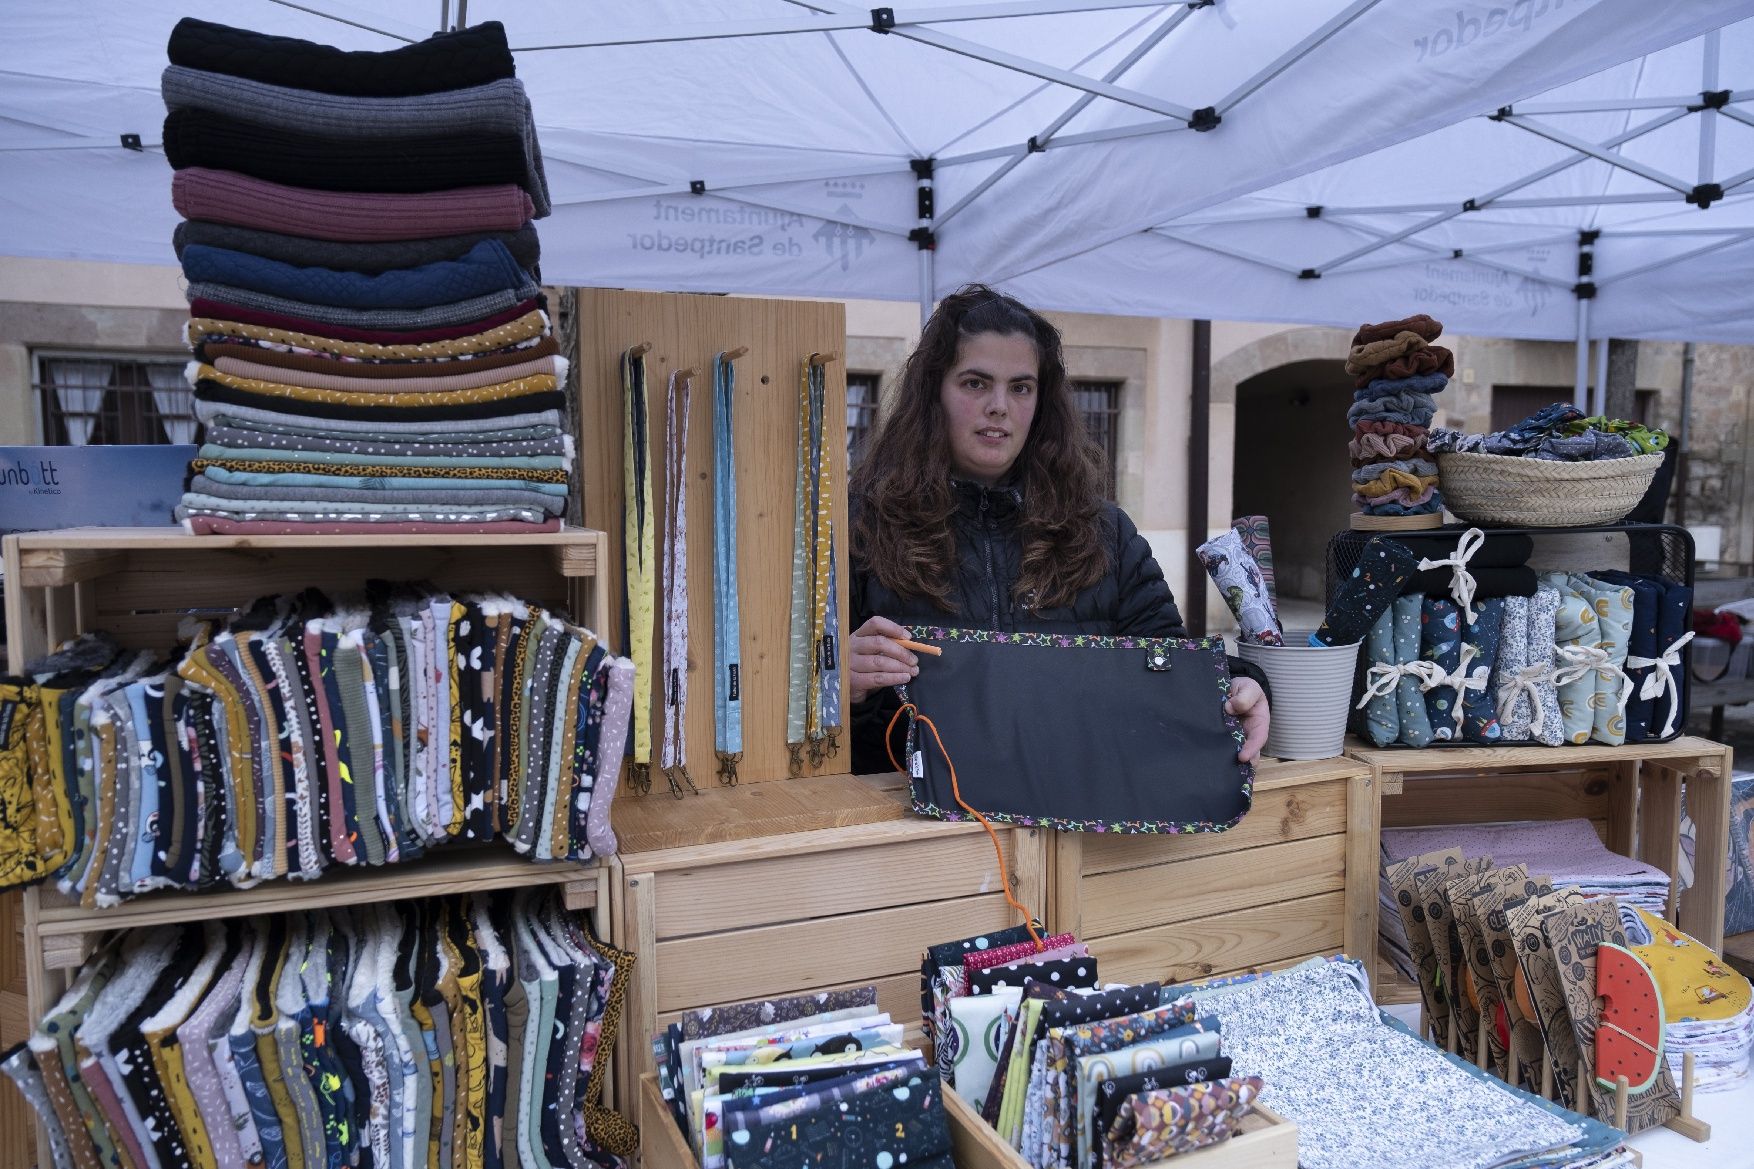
<point>1132,599</point>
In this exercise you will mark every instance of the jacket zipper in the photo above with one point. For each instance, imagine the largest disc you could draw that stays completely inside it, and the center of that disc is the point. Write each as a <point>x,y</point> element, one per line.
<point>987,557</point>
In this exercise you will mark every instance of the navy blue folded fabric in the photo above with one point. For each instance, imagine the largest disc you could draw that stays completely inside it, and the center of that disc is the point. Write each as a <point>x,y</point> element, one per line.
<point>1647,597</point>
<point>486,268</point>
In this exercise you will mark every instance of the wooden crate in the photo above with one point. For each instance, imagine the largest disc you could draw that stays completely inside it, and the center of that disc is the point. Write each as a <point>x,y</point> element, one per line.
<point>1297,878</point>
<point>1631,793</point>
<point>139,583</point>
<point>849,895</point>
<point>1267,1140</point>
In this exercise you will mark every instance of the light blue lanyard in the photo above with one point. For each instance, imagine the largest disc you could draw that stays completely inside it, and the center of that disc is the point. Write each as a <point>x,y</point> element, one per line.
<point>727,635</point>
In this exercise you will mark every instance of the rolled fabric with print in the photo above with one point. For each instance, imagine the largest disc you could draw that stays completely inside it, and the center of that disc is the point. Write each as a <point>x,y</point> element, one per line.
<point>1574,628</point>
<point>1614,611</point>
<point>1543,613</point>
<point>1233,569</point>
<point>1383,568</point>
<point>1511,683</point>
<point>1432,506</point>
<point>1419,383</point>
<point>1440,641</point>
<point>1409,694</point>
<point>1641,643</point>
<point>1480,717</point>
<point>1258,539</point>
<point>1382,720</point>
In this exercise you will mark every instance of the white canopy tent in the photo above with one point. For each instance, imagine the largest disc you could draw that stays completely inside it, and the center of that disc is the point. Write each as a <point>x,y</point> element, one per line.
<point>1095,155</point>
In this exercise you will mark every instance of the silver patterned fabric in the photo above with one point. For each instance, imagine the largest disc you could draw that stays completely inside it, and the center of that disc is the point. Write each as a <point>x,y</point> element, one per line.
<point>1365,1095</point>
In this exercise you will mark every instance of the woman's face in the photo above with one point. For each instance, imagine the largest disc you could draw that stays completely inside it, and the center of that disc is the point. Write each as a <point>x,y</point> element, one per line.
<point>989,397</point>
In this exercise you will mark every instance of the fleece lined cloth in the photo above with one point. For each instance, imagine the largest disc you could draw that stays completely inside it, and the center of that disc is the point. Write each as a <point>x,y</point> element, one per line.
<point>352,257</point>
<point>486,268</point>
<point>526,327</point>
<point>360,368</point>
<point>441,316</point>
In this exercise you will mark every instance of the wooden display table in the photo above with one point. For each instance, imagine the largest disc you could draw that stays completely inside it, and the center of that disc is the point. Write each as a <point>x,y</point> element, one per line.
<point>1632,794</point>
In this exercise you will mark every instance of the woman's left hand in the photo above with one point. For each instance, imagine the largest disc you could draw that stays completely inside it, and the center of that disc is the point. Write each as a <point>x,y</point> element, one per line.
<point>1248,702</point>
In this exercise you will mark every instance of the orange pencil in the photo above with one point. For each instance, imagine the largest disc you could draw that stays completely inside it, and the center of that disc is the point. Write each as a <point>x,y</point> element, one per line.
<point>919,647</point>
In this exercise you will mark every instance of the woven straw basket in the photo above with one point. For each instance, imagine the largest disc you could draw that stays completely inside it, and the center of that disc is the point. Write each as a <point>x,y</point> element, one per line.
<point>1534,493</point>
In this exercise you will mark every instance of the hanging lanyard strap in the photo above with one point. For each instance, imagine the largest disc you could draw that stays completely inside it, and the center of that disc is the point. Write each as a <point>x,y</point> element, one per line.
<point>638,552</point>
<point>675,676</point>
<point>800,657</point>
<point>727,635</point>
<point>824,720</point>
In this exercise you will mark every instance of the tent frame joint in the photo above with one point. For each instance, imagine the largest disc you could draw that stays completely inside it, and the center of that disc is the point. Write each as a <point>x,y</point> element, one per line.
<point>1035,145</point>
<point>1584,290</point>
<point>1711,99</point>
<point>1503,113</point>
<point>1309,274</point>
<point>1588,237</point>
<point>924,238</point>
<point>1205,118</point>
<point>132,142</point>
<point>1313,211</point>
<point>697,186</point>
<point>882,20</point>
<point>1704,195</point>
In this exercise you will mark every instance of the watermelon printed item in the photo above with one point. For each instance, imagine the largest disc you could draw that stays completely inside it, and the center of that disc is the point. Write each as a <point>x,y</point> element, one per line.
<point>1629,1035</point>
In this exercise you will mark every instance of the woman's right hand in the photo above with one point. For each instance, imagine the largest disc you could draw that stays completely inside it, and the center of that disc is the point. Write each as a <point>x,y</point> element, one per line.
<point>875,658</point>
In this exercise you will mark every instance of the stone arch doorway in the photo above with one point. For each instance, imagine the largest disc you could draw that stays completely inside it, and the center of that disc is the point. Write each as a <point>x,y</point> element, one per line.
<point>1292,466</point>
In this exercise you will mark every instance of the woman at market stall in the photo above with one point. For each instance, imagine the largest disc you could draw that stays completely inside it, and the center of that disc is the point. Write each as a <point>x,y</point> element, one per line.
<point>979,503</point>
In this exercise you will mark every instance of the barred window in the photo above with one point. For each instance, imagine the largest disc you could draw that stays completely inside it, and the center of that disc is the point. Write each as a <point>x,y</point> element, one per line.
<point>1100,405</point>
<point>861,412</point>
<point>92,399</point>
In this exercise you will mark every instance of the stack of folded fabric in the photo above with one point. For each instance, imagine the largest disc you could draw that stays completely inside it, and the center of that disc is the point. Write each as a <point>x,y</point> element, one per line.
<point>466,1031</point>
<point>1398,371</point>
<point>1557,434</point>
<point>1568,852</point>
<point>372,349</point>
<point>1708,1008</point>
<point>302,734</point>
<point>786,1082</point>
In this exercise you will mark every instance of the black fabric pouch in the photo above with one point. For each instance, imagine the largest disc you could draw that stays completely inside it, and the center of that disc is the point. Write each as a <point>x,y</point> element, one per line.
<point>1081,733</point>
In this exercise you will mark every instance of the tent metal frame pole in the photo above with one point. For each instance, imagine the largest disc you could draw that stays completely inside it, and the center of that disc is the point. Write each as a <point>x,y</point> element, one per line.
<point>383,32</point>
<point>1738,115</point>
<point>1295,53</point>
<point>1492,196</point>
<point>1580,390</point>
<point>1443,254</point>
<point>1607,106</point>
<point>1599,393</point>
<point>1042,140</point>
<point>925,235</point>
<point>1708,118</point>
<point>1218,250</point>
<point>837,18</point>
<point>1542,130</point>
<point>1667,261</point>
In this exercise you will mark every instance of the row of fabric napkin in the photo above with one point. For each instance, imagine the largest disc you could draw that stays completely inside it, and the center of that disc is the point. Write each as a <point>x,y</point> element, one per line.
<point>460,1033</point>
<point>1587,658</point>
<point>1522,947</point>
<point>796,1081</point>
<point>372,349</point>
<point>1071,1073</point>
<point>1398,370</point>
<point>303,734</point>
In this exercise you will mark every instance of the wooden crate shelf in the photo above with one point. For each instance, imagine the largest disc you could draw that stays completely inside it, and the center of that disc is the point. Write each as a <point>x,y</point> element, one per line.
<point>1631,793</point>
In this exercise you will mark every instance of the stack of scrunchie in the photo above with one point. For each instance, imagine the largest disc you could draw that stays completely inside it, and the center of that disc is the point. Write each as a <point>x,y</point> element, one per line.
<point>373,352</point>
<point>1397,370</point>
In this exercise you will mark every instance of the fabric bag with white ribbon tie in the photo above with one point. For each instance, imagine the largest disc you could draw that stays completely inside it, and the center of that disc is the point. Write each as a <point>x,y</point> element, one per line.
<point>1528,701</point>
<point>1440,641</point>
<point>1641,645</point>
<point>1478,700</point>
<point>1614,604</point>
<point>1576,639</point>
<point>1410,688</point>
<point>1382,677</point>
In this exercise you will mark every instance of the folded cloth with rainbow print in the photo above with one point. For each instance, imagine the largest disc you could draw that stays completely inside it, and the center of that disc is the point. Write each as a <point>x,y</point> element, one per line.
<point>1397,371</point>
<point>373,350</point>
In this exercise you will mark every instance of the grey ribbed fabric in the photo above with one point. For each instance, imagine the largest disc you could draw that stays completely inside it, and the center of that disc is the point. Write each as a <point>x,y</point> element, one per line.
<point>352,257</point>
<point>499,106</point>
<point>241,439</point>
<point>435,430</point>
<point>439,316</point>
<point>375,500</point>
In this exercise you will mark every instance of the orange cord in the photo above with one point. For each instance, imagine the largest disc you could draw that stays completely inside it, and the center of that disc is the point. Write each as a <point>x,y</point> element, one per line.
<point>956,791</point>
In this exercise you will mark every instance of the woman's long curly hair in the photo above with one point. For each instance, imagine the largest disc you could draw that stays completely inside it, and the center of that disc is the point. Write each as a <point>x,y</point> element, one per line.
<point>903,534</point>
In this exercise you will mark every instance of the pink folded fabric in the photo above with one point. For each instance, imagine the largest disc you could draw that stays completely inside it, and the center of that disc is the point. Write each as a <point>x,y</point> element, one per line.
<point>217,526</point>
<point>221,196</point>
<point>1398,495</point>
<point>375,385</point>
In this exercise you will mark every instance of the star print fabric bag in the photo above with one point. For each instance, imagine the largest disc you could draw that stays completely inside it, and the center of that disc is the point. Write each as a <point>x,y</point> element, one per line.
<point>1075,732</point>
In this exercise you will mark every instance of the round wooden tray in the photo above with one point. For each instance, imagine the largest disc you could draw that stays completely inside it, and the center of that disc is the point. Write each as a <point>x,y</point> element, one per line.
<point>1395,523</point>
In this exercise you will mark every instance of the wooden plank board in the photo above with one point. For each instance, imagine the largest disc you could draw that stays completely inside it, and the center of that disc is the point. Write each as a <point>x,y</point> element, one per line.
<point>784,959</point>
<point>1285,814</point>
<point>661,1143</point>
<point>1363,864</point>
<point>686,331</point>
<point>1409,761</point>
<point>471,870</point>
<point>790,888</point>
<point>1473,799</point>
<point>1273,774</point>
<point>1739,952</point>
<point>1260,936</point>
<point>656,827</point>
<point>1708,803</point>
<point>1134,899</point>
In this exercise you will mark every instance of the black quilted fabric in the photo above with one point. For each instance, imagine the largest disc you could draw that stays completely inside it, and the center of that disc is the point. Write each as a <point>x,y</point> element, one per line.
<point>397,164</point>
<point>455,60</point>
